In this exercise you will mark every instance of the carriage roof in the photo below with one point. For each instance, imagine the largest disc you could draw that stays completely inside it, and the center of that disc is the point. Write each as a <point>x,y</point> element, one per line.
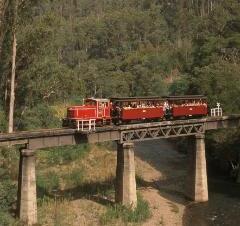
<point>98,99</point>
<point>124,99</point>
<point>186,97</point>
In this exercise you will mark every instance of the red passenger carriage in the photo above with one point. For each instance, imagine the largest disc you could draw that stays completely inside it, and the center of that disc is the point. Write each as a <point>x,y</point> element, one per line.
<point>136,109</point>
<point>187,106</point>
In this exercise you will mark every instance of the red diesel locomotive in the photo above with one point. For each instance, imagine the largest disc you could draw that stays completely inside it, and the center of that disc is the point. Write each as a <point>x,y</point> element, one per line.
<point>100,112</point>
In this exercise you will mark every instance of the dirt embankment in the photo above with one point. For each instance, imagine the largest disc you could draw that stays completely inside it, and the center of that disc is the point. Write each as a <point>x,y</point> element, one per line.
<point>162,171</point>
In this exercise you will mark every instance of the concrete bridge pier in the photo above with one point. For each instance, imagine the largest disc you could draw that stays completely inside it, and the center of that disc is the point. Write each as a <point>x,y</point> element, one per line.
<point>27,197</point>
<point>125,190</point>
<point>196,183</point>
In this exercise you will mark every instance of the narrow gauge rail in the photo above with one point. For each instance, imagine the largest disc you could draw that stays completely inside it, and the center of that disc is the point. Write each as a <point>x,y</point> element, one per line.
<point>68,131</point>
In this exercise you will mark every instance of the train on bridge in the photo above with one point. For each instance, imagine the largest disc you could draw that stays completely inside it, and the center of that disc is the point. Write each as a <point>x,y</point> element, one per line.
<point>125,110</point>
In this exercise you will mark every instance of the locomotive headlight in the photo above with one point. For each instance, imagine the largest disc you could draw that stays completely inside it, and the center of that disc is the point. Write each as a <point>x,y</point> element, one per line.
<point>144,111</point>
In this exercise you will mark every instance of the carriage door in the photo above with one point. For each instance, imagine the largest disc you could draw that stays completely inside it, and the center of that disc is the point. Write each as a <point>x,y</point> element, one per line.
<point>100,109</point>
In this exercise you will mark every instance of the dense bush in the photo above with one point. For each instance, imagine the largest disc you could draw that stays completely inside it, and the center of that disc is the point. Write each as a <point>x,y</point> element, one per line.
<point>9,162</point>
<point>8,193</point>
<point>40,116</point>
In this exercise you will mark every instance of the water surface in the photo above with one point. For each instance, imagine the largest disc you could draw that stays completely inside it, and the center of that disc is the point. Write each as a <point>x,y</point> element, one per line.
<point>223,207</point>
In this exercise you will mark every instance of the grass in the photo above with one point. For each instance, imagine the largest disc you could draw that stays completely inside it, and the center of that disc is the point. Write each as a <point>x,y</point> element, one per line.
<point>140,214</point>
<point>46,184</point>
<point>55,212</point>
<point>62,155</point>
<point>107,145</point>
<point>174,207</point>
<point>74,178</point>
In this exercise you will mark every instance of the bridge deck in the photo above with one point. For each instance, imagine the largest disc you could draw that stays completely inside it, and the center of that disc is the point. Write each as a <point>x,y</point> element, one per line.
<point>66,136</point>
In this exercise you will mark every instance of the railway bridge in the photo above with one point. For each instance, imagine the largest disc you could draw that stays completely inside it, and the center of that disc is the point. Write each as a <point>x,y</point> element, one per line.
<point>125,136</point>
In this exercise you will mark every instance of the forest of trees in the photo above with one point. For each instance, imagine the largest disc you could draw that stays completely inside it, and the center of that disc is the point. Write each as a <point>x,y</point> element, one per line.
<point>67,50</point>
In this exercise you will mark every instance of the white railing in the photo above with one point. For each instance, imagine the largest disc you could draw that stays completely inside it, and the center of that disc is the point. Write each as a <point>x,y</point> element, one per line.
<point>215,112</point>
<point>86,125</point>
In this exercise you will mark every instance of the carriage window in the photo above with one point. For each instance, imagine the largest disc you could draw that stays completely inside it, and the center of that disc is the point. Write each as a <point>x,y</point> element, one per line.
<point>90,102</point>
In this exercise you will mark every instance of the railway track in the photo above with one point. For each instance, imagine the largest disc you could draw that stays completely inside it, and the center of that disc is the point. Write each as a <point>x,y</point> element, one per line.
<point>55,132</point>
<point>37,133</point>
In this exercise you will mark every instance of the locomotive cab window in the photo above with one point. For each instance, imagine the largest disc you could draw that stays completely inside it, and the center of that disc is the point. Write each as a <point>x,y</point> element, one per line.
<point>90,102</point>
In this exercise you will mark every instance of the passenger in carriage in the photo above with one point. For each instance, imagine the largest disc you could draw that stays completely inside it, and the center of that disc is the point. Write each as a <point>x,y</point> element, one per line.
<point>165,106</point>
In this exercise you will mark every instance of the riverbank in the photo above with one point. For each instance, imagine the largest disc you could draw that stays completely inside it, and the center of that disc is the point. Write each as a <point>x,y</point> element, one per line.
<point>163,188</point>
<point>163,181</point>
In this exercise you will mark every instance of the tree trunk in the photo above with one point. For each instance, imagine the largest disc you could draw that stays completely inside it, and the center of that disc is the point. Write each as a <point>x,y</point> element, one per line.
<point>202,9</point>
<point>14,53</point>
<point>12,93</point>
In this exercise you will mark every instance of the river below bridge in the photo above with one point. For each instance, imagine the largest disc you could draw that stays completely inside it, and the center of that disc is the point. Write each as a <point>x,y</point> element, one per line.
<point>223,207</point>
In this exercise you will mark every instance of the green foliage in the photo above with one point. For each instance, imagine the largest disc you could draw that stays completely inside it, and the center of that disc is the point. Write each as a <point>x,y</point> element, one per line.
<point>180,86</point>
<point>224,146</point>
<point>8,187</point>
<point>72,52</point>
<point>74,178</point>
<point>140,214</point>
<point>8,193</point>
<point>40,116</point>
<point>221,83</point>
<point>63,155</point>
<point>6,219</point>
<point>9,160</point>
<point>47,183</point>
